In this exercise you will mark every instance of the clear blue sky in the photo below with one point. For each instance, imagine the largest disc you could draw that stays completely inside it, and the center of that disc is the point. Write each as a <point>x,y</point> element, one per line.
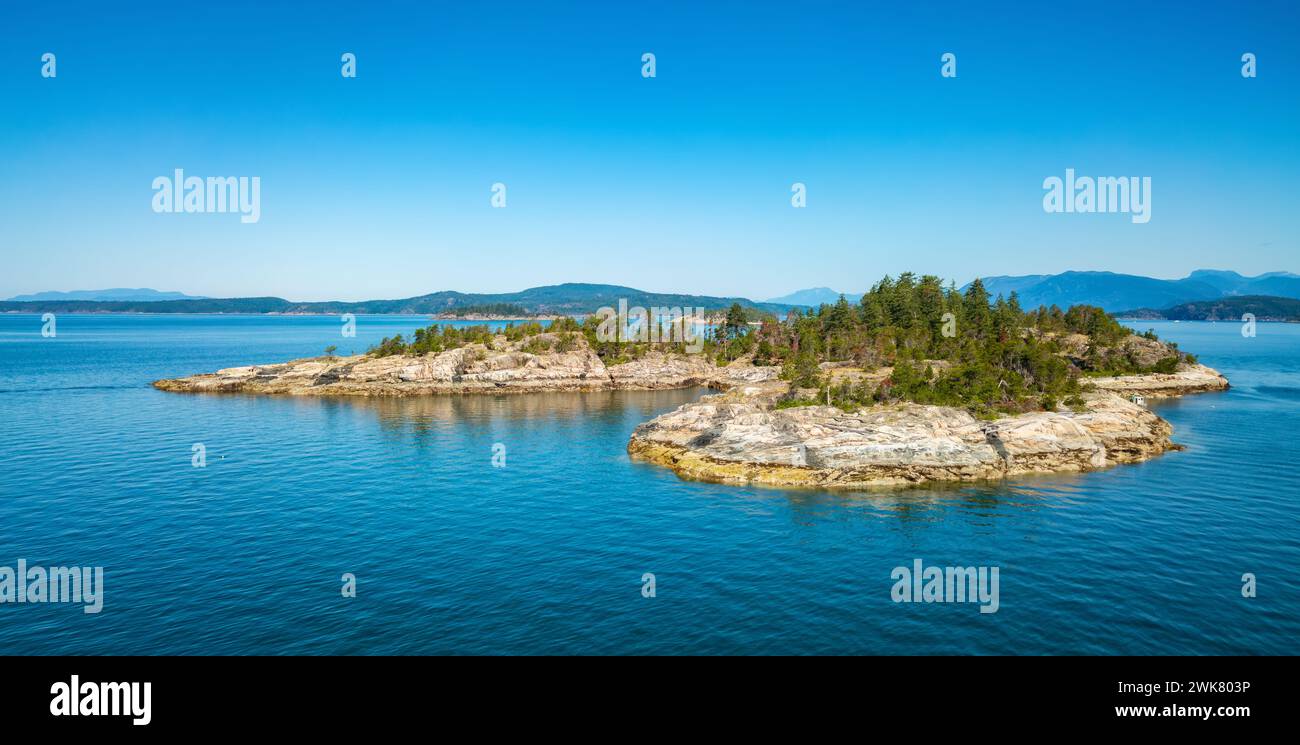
<point>379,186</point>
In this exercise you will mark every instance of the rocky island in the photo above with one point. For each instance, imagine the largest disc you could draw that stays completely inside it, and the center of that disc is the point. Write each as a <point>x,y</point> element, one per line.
<point>890,392</point>
<point>744,437</point>
<point>496,365</point>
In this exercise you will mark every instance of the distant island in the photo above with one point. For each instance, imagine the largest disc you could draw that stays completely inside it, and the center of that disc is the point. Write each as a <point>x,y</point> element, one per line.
<point>1262,307</point>
<point>813,297</point>
<point>551,300</point>
<point>1117,292</point>
<point>915,382</point>
<point>1107,290</point>
<point>118,294</point>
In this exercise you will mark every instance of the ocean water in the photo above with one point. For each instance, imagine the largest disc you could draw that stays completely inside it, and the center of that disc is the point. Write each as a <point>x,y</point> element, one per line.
<point>547,554</point>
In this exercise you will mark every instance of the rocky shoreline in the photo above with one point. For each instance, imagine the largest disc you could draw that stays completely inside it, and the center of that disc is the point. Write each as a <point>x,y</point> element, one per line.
<point>473,368</point>
<point>741,435</point>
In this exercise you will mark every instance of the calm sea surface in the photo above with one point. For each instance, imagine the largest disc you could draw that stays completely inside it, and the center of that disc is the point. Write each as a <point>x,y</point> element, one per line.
<point>546,555</point>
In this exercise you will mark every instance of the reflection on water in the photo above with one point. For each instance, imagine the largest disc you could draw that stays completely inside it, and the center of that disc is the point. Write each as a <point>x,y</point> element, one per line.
<point>472,408</point>
<point>422,417</point>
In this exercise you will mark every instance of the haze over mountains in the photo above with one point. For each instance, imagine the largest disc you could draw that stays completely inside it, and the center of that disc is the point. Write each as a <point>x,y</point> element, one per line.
<point>815,296</point>
<point>117,294</point>
<point>562,299</point>
<point>1118,292</point>
<point>1114,292</point>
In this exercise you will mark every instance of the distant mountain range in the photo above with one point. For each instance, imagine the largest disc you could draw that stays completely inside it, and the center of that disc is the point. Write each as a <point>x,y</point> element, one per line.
<point>1104,289</point>
<point>570,298</point>
<point>1116,292</point>
<point>118,294</point>
<point>1263,307</point>
<point>815,296</point>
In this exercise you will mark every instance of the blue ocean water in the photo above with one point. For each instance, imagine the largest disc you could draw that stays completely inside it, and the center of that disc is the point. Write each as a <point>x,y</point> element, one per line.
<point>547,554</point>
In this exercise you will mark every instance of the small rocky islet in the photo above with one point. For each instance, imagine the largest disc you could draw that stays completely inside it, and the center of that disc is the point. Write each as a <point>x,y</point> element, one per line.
<point>742,436</point>
<point>747,433</point>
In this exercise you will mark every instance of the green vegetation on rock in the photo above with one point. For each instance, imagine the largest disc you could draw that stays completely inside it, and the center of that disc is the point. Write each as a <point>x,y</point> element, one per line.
<point>949,348</point>
<point>907,339</point>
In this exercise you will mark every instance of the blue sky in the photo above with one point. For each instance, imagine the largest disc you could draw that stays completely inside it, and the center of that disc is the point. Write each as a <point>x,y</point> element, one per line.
<point>379,186</point>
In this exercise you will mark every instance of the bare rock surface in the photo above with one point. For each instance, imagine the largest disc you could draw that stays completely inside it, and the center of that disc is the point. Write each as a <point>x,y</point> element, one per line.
<point>1187,379</point>
<point>741,437</point>
<point>502,367</point>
